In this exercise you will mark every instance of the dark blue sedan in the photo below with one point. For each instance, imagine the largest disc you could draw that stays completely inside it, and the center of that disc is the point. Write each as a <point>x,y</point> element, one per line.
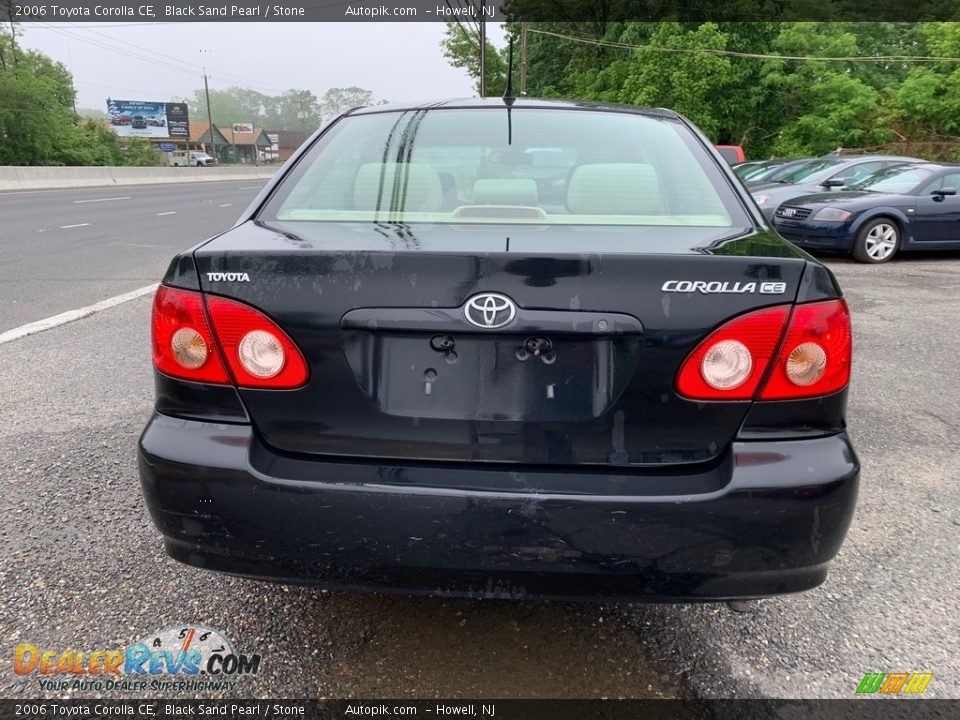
<point>908,207</point>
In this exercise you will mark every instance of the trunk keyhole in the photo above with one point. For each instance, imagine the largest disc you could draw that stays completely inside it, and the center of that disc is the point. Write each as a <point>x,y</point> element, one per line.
<point>442,343</point>
<point>539,347</point>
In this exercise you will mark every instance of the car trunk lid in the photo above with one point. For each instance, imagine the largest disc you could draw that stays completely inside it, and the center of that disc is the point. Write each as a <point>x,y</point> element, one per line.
<point>582,374</point>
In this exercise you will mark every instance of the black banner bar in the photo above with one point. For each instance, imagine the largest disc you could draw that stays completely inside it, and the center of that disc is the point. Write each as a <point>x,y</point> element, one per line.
<point>593,11</point>
<point>855,709</point>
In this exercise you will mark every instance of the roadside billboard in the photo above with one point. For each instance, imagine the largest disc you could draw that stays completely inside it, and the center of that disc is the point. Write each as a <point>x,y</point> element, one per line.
<point>242,128</point>
<point>139,118</point>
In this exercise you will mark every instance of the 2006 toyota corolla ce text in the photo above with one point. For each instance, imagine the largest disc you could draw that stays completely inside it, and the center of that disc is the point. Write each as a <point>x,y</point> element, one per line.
<point>504,348</point>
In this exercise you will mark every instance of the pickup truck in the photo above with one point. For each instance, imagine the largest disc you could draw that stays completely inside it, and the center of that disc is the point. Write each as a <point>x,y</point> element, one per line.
<point>193,158</point>
<point>732,153</point>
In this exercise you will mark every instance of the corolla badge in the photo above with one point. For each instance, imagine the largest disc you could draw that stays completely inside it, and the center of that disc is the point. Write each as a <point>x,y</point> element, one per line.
<point>490,311</point>
<point>714,287</point>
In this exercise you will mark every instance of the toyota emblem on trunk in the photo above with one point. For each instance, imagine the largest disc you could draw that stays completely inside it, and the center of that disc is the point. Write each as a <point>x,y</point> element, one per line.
<point>490,311</point>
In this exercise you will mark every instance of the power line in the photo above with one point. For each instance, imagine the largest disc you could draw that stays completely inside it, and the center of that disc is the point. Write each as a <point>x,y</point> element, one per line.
<point>126,53</point>
<point>474,25</point>
<point>733,53</point>
<point>463,30</point>
<point>112,87</point>
<point>187,62</point>
<point>183,66</point>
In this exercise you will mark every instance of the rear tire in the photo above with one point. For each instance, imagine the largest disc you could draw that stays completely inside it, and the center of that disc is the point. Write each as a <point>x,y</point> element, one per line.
<point>877,241</point>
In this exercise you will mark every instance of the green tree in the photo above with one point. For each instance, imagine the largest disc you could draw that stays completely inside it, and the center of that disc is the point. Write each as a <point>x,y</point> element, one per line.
<point>727,76</point>
<point>336,101</point>
<point>291,110</point>
<point>461,47</point>
<point>38,125</point>
<point>36,107</point>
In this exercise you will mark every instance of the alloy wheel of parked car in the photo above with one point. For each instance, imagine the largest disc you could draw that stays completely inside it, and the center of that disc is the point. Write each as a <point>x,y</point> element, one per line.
<point>877,242</point>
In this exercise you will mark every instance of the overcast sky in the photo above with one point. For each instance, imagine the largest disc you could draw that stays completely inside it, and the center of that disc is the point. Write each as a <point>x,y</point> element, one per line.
<point>159,61</point>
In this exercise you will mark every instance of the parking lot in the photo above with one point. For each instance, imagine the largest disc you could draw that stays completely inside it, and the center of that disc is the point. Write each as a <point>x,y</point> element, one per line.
<point>82,567</point>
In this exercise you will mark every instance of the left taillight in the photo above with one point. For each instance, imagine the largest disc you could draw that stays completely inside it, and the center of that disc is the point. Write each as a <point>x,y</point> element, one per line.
<point>183,345</point>
<point>194,335</point>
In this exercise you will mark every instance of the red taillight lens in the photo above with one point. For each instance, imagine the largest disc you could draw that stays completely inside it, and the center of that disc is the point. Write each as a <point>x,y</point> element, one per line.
<point>815,357</point>
<point>259,354</point>
<point>183,345</point>
<point>732,361</point>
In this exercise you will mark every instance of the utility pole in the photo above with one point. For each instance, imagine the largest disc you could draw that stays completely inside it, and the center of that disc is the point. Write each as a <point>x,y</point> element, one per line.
<point>13,36</point>
<point>302,114</point>
<point>483,51</point>
<point>523,58</point>
<point>213,142</point>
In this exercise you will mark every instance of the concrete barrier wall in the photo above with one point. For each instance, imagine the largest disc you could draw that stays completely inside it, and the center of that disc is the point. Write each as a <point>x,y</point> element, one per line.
<point>45,178</point>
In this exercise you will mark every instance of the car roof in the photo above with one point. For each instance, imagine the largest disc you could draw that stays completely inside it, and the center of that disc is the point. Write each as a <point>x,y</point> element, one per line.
<point>520,102</point>
<point>852,158</point>
<point>934,166</point>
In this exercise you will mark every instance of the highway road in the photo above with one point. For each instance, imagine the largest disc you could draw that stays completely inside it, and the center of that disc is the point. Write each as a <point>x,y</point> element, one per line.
<point>63,249</point>
<point>81,566</point>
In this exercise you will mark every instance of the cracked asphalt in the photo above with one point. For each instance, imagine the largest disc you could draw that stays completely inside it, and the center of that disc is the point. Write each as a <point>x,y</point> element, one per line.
<point>81,565</point>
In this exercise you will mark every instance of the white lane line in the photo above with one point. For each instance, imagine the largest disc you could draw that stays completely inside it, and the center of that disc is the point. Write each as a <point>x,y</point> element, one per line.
<point>250,187</point>
<point>125,197</point>
<point>71,315</point>
<point>226,205</point>
<point>169,212</point>
<point>67,227</point>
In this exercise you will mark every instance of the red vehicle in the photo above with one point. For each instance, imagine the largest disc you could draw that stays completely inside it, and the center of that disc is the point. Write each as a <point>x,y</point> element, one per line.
<point>732,153</point>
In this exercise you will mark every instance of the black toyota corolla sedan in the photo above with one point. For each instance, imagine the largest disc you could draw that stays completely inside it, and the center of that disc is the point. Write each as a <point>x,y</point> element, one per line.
<point>503,349</point>
<point>909,207</point>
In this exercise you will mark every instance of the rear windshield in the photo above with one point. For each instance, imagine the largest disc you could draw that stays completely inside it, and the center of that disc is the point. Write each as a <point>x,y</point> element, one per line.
<point>493,166</point>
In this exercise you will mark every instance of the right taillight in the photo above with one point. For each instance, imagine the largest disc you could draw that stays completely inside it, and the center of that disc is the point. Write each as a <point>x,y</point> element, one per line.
<point>814,358</point>
<point>777,353</point>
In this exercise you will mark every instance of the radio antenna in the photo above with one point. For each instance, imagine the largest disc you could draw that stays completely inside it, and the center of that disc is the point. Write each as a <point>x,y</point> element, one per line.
<point>508,97</point>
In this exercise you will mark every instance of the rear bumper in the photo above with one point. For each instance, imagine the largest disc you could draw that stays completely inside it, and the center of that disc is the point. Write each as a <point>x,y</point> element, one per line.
<point>224,501</point>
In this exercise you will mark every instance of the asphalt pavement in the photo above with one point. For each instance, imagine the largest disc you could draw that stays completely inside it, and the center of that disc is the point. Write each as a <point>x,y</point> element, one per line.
<point>81,565</point>
<point>64,249</point>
